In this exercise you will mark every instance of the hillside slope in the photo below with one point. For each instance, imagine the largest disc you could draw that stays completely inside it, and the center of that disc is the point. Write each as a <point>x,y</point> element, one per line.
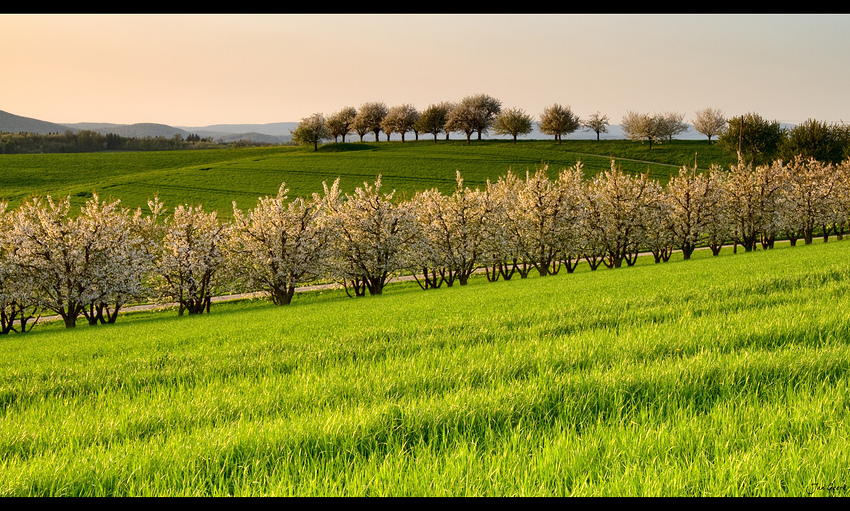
<point>12,123</point>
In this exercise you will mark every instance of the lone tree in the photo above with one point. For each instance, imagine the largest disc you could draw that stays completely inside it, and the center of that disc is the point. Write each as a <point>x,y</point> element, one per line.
<point>311,130</point>
<point>710,122</point>
<point>558,120</point>
<point>597,123</point>
<point>513,122</point>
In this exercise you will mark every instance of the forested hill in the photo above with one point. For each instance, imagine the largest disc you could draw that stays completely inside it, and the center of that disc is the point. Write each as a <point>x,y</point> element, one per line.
<point>266,134</point>
<point>12,123</point>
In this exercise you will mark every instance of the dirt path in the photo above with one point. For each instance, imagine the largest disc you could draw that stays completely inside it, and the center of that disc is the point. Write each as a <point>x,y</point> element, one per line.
<point>302,289</point>
<point>226,298</point>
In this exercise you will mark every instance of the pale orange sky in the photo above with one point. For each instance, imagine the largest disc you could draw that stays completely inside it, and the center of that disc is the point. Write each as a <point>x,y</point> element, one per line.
<point>197,70</point>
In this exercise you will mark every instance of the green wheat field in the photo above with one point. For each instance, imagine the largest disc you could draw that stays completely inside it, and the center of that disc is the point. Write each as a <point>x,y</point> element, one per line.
<point>717,376</point>
<point>217,177</point>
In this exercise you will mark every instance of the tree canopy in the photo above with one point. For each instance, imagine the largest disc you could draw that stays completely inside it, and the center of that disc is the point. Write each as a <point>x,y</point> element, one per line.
<point>311,130</point>
<point>513,122</point>
<point>597,123</point>
<point>557,120</point>
<point>752,137</point>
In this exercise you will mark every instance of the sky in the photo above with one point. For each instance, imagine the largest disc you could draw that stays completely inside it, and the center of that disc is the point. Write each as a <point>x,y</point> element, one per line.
<point>199,70</point>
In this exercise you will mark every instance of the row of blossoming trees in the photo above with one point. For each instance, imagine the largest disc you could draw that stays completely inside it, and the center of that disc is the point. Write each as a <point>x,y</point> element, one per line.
<point>90,264</point>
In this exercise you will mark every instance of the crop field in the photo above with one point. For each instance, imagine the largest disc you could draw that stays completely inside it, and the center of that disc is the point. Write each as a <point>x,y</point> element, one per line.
<point>725,375</point>
<point>714,376</point>
<point>217,177</point>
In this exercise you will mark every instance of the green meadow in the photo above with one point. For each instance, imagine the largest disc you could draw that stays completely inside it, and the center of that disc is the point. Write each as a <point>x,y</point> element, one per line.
<point>717,376</point>
<point>217,177</point>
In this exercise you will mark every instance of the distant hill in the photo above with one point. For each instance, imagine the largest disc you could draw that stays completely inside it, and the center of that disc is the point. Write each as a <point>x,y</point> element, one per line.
<point>270,133</point>
<point>142,130</point>
<point>273,133</point>
<point>12,123</point>
<point>279,129</point>
<point>263,138</point>
<point>93,126</point>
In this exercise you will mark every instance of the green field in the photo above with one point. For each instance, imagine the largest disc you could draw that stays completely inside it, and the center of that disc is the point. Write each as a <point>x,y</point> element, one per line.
<point>725,375</point>
<point>716,376</point>
<point>217,177</point>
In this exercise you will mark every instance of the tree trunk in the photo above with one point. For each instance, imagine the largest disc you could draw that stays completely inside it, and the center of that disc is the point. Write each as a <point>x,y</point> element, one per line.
<point>542,268</point>
<point>523,269</point>
<point>613,259</point>
<point>503,269</point>
<point>111,317</point>
<point>70,321</point>
<point>715,248</point>
<point>357,285</point>
<point>450,280</point>
<point>492,276</point>
<point>282,295</point>
<point>90,313</point>
<point>6,322</point>
<point>593,261</point>
<point>571,265</point>
<point>376,284</point>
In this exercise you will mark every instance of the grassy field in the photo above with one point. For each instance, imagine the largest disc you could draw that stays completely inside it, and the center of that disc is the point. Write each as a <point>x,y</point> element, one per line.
<point>216,178</point>
<point>716,376</point>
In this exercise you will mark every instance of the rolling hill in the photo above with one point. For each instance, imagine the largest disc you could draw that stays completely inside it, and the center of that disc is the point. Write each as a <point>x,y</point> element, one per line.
<point>270,133</point>
<point>12,123</point>
<point>275,133</point>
